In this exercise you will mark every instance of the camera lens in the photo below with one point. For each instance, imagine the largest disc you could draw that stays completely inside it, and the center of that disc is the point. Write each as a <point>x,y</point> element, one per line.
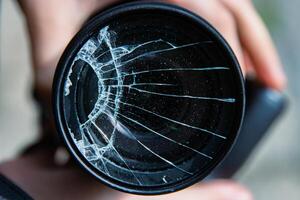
<point>148,98</point>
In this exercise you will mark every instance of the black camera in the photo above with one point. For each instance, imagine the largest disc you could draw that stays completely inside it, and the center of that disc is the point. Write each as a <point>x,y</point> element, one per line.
<point>149,98</point>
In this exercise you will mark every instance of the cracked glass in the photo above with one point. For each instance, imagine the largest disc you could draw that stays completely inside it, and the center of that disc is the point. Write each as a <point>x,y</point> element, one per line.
<point>151,99</point>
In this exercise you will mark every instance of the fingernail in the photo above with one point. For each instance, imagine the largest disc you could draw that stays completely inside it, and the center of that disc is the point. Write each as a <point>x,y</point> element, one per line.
<point>280,78</point>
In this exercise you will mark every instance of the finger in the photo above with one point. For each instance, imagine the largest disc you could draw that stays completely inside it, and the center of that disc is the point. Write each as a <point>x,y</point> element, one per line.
<point>249,66</point>
<point>224,189</point>
<point>218,190</point>
<point>257,41</point>
<point>227,27</point>
<point>216,14</point>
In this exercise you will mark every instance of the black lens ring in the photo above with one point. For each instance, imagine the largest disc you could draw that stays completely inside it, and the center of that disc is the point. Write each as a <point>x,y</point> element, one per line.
<point>64,65</point>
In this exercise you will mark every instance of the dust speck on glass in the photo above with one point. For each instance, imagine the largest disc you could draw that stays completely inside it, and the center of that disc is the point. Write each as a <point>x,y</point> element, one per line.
<point>149,107</point>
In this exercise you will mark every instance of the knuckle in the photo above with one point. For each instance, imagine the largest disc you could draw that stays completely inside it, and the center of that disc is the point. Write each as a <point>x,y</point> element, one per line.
<point>225,20</point>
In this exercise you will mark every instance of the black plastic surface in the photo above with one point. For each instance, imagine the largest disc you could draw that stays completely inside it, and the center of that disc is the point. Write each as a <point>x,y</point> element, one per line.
<point>263,107</point>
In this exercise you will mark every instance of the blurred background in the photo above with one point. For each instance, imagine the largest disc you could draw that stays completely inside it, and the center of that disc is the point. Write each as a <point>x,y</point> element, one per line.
<point>272,172</point>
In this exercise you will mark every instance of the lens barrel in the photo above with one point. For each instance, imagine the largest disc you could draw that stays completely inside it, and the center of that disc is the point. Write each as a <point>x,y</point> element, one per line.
<point>148,98</point>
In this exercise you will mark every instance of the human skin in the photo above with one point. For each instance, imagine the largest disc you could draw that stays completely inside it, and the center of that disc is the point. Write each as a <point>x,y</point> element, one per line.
<point>51,24</point>
<point>43,178</point>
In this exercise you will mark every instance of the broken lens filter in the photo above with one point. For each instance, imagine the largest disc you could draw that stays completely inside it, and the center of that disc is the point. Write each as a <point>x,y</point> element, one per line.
<point>148,97</point>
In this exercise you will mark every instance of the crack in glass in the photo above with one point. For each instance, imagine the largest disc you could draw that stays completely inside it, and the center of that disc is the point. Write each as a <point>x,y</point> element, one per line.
<point>114,113</point>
